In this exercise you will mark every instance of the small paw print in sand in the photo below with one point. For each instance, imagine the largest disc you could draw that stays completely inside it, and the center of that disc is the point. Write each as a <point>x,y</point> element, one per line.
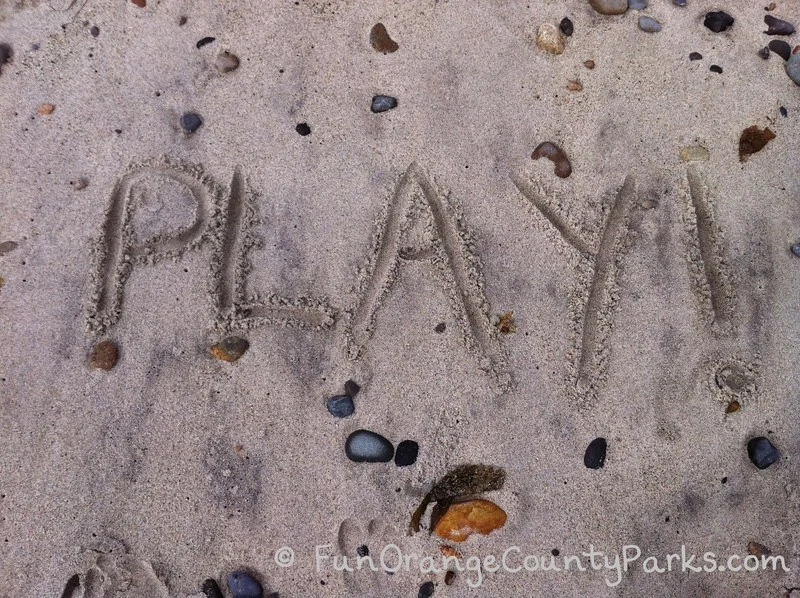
<point>506,324</point>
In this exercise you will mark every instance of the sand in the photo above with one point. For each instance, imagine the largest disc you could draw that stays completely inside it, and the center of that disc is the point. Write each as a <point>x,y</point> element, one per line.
<point>633,284</point>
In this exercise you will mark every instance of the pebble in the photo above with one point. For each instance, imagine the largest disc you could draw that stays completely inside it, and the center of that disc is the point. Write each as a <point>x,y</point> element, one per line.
<point>303,129</point>
<point>718,21</point>
<point>351,388</point>
<point>556,155</point>
<point>762,452</point>
<point>205,41</point>
<point>695,56</point>
<point>714,68</point>
<point>243,585</point>
<point>549,39</point>
<point>104,355</point>
<point>574,85</point>
<point>757,549</point>
<point>190,122</point>
<point>440,328</point>
<point>406,453</point>
<point>764,53</point>
<point>6,54</point>
<point>230,348</point>
<point>139,3</point>
<point>637,4</point>
<point>211,589</point>
<point>609,7</point>
<point>783,111</point>
<point>649,24</point>
<point>95,30</point>
<point>781,48</point>
<point>733,407</point>
<point>380,39</point>
<point>595,455</point>
<point>792,67</point>
<point>796,249</point>
<point>694,153</point>
<point>341,406</point>
<point>363,446</point>
<point>426,590</point>
<point>566,26</point>
<point>463,519</point>
<point>8,247</point>
<point>777,26</point>
<point>589,64</point>
<point>753,140</point>
<point>679,2</point>
<point>449,577</point>
<point>362,550</point>
<point>45,109</point>
<point>383,103</point>
<point>226,62</point>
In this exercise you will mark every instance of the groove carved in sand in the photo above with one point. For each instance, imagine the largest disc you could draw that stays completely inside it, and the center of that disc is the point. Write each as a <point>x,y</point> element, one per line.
<point>420,223</point>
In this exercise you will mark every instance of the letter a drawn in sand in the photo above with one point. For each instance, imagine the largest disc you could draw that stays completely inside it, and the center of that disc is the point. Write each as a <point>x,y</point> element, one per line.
<point>421,223</point>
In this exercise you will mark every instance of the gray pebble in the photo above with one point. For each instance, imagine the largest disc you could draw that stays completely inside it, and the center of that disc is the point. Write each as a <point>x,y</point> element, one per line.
<point>191,121</point>
<point>679,2</point>
<point>796,249</point>
<point>243,585</point>
<point>792,67</point>
<point>341,406</point>
<point>363,446</point>
<point>383,103</point>
<point>637,4</point>
<point>649,25</point>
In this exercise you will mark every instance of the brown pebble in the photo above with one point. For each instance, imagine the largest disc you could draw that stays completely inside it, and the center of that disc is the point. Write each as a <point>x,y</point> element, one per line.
<point>732,407</point>
<point>79,183</point>
<point>230,348</point>
<point>758,549</point>
<point>226,62</point>
<point>796,50</point>
<point>574,85</point>
<point>753,140</point>
<point>463,519</point>
<point>449,551</point>
<point>139,3</point>
<point>104,355</point>
<point>45,109</point>
<point>556,155</point>
<point>449,577</point>
<point>589,64</point>
<point>380,39</point>
<point>772,6</point>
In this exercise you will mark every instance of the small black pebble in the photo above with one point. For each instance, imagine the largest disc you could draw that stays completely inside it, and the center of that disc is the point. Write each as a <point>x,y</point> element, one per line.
<point>406,453</point>
<point>764,53</point>
<point>716,69</point>
<point>182,21</point>
<point>440,327</point>
<point>718,21</point>
<point>363,550</point>
<point>95,31</point>
<point>566,26</point>
<point>555,552</point>
<point>796,249</point>
<point>725,480</point>
<point>595,455</point>
<point>303,129</point>
<point>341,406</point>
<point>695,56</point>
<point>211,589</point>
<point>191,121</point>
<point>351,388</point>
<point>205,41</point>
<point>783,111</point>
<point>781,48</point>
<point>777,26</point>
<point>383,103</point>
<point>426,590</point>
<point>762,452</point>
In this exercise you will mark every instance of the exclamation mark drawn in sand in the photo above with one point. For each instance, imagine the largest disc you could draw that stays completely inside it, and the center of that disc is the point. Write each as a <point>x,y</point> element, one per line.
<point>596,319</point>
<point>231,265</point>
<point>706,266</point>
<point>421,223</point>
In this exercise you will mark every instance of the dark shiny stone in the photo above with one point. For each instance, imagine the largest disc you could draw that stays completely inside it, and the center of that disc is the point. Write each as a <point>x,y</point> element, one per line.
<point>383,103</point>
<point>243,585</point>
<point>351,388</point>
<point>205,41</point>
<point>362,550</point>
<point>715,69</point>
<point>695,56</point>
<point>762,452</point>
<point>363,446</point>
<point>95,31</point>
<point>426,590</point>
<point>595,455</point>
<point>566,26</point>
<point>781,48</point>
<point>191,121</point>
<point>718,21</point>
<point>783,111</point>
<point>303,129</point>
<point>777,26</point>
<point>211,589</point>
<point>406,454</point>
<point>341,406</point>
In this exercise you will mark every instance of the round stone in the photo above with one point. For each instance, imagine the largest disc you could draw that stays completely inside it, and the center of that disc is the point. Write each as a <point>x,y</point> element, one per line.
<point>595,455</point>
<point>637,4</point>
<point>566,26</point>
<point>243,585</point>
<point>303,129</point>
<point>383,103</point>
<point>609,7</point>
<point>762,452</point>
<point>104,355</point>
<point>649,24</point>
<point>792,67</point>
<point>406,454</point>
<point>190,122</point>
<point>549,39</point>
<point>351,388</point>
<point>341,406</point>
<point>363,446</point>
<point>230,348</point>
<point>426,590</point>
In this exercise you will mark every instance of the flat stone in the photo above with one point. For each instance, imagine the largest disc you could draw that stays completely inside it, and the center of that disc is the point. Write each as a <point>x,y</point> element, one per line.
<point>363,446</point>
<point>190,122</point>
<point>718,21</point>
<point>694,153</point>
<point>463,519</point>
<point>104,355</point>
<point>679,2</point>
<point>781,48</point>
<point>211,589</point>
<point>381,41</point>
<point>243,585</point>
<point>230,348</point>
<point>637,4</point>
<point>595,455</point>
<point>609,7</point>
<point>550,39</point>
<point>695,56</point>
<point>226,62</point>
<point>753,140</point>
<point>762,452</point>
<point>426,590</point>
<point>8,247</point>
<point>341,406</point>
<point>383,103</point>
<point>649,24</point>
<point>792,67</point>
<point>406,454</point>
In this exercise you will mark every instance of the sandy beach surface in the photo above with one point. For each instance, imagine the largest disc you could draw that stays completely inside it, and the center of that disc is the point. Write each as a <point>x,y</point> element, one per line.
<point>176,173</point>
